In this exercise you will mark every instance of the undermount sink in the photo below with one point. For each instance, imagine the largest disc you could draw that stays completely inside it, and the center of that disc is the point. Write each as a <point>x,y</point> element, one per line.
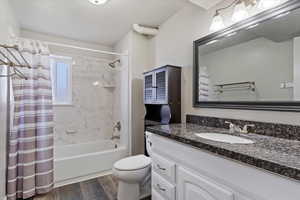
<point>219,137</point>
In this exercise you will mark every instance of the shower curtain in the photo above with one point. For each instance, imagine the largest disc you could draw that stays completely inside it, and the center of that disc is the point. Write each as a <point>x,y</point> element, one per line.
<point>30,139</point>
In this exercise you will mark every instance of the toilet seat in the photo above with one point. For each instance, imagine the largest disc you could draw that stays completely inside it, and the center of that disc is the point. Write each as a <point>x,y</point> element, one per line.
<point>133,163</point>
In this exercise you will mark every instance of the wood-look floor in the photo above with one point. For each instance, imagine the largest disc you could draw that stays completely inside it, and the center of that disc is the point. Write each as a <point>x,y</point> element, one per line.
<point>103,188</point>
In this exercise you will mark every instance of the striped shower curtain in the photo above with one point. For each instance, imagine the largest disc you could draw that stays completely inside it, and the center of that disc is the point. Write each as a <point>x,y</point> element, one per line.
<point>30,142</point>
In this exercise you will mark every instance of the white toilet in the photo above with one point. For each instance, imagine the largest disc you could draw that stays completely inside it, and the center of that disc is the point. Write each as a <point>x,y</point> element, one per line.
<point>131,172</point>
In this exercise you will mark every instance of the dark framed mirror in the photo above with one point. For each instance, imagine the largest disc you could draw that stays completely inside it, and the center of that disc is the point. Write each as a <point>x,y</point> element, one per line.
<point>253,64</point>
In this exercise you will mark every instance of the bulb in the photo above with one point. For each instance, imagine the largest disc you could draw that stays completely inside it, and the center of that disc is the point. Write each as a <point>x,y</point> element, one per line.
<point>96,83</point>
<point>240,12</point>
<point>98,2</point>
<point>266,4</point>
<point>217,23</point>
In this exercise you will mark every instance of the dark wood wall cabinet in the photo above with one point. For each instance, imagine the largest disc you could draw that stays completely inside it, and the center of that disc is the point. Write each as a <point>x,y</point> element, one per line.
<point>162,94</point>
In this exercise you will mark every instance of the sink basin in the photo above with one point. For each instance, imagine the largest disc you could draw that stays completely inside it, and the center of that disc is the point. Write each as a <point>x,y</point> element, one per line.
<point>218,137</point>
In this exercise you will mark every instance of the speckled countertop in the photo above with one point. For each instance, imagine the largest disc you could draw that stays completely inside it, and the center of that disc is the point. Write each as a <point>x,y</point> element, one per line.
<point>280,156</point>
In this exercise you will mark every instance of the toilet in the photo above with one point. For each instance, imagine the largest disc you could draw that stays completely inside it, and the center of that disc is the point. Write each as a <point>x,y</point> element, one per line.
<point>131,172</point>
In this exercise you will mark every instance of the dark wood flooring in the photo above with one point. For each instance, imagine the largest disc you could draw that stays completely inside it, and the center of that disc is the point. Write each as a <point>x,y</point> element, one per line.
<point>103,188</point>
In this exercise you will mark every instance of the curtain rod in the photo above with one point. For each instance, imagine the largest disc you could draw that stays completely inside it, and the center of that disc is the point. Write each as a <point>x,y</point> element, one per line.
<point>83,48</point>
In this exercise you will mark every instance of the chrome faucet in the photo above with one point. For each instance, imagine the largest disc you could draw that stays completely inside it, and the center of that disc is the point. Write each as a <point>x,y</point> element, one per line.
<point>118,127</point>
<point>233,128</point>
<point>245,128</point>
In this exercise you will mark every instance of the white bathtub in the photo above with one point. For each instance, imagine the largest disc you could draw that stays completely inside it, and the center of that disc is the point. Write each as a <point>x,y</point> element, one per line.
<point>79,162</point>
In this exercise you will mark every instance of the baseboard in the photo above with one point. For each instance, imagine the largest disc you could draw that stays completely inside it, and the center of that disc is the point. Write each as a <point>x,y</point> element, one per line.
<point>81,179</point>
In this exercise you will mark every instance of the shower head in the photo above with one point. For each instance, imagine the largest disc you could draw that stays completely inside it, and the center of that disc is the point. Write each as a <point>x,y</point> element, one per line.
<point>113,64</point>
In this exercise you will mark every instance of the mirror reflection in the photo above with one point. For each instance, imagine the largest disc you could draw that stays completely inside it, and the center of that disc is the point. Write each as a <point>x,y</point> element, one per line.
<point>261,63</point>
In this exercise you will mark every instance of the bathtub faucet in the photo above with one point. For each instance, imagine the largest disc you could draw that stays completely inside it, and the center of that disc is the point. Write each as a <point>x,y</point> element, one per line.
<point>117,126</point>
<point>115,137</point>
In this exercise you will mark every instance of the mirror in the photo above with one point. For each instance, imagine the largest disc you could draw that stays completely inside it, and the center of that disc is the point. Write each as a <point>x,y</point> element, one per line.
<point>253,65</point>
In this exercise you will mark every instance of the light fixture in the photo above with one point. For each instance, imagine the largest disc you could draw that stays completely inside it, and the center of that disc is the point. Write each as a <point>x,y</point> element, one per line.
<point>217,22</point>
<point>98,2</point>
<point>240,12</point>
<point>96,83</point>
<point>266,4</point>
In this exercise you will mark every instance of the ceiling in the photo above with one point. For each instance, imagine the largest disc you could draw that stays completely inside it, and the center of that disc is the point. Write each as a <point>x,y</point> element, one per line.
<point>206,4</point>
<point>81,20</point>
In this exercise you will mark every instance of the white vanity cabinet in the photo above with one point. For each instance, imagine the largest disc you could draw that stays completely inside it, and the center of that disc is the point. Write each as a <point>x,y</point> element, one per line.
<point>181,172</point>
<point>194,187</point>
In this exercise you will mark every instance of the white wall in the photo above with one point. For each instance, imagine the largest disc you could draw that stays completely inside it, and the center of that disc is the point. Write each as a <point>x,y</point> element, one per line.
<point>141,58</point>
<point>8,25</point>
<point>123,46</point>
<point>173,45</point>
<point>141,61</point>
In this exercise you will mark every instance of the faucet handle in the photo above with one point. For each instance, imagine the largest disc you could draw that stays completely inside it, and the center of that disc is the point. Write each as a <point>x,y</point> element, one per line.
<point>245,128</point>
<point>230,123</point>
<point>232,126</point>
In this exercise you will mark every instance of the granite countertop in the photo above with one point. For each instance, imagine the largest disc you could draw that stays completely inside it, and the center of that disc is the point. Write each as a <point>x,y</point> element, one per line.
<point>280,156</point>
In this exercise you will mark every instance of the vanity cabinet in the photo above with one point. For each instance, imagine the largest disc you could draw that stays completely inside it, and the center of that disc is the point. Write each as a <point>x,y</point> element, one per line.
<point>181,172</point>
<point>162,85</point>
<point>195,187</point>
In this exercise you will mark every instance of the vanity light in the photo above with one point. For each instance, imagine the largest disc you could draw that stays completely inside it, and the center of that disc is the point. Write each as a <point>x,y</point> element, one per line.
<point>266,4</point>
<point>98,2</point>
<point>96,83</point>
<point>240,12</point>
<point>217,23</point>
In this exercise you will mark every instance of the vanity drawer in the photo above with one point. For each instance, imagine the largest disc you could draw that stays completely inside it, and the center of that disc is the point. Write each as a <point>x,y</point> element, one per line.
<point>163,187</point>
<point>164,167</point>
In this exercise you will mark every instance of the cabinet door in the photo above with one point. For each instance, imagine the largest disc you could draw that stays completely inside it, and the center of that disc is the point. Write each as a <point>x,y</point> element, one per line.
<point>163,187</point>
<point>161,85</point>
<point>156,196</point>
<point>194,187</point>
<point>149,94</point>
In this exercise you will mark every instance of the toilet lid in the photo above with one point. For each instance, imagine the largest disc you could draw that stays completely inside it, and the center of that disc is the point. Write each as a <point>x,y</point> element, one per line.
<point>133,163</point>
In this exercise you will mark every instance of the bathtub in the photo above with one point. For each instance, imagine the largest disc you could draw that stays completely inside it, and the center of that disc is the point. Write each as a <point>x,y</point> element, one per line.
<point>78,162</point>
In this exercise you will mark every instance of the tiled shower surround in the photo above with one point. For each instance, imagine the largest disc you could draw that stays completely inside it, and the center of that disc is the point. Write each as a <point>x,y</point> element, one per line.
<point>95,106</point>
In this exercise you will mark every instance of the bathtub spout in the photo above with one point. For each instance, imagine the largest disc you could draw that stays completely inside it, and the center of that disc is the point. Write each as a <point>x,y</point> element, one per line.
<point>115,137</point>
